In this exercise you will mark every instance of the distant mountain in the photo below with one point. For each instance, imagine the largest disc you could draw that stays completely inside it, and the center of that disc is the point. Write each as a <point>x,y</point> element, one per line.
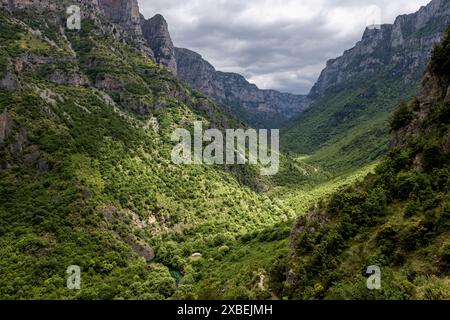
<point>259,108</point>
<point>346,126</point>
<point>402,49</point>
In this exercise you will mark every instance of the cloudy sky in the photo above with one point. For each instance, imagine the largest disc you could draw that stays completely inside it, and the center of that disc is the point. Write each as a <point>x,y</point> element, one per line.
<point>276,44</point>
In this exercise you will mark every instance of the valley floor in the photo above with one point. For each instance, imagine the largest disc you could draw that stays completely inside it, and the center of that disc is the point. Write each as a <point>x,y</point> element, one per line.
<point>245,270</point>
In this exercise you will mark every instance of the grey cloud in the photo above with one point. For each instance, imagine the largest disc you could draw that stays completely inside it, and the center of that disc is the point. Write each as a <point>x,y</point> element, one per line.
<point>277,44</point>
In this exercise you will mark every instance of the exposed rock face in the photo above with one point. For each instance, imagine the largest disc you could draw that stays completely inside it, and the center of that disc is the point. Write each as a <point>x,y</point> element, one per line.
<point>9,82</point>
<point>20,141</point>
<point>108,83</point>
<point>19,4</point>
<point>156,32</point>
<point>144,251</point>
<point>68,78</point>
<point>124,13</point>
<point>141,248</point>
<point>435,90</point>
<point>401,49</point>
<point>5,127</point>
<point>121,12</point>
<point>260,108</point>
<point>307,223</point>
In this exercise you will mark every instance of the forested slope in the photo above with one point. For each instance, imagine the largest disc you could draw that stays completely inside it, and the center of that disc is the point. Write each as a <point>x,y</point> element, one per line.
<point>398,218</point>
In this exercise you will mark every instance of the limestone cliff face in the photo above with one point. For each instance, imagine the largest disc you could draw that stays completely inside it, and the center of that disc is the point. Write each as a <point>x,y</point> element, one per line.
<point>401,49</point>
<point>260,108</point>
<point>41,4</point>
<point>123,12</point>
<point>435,94</point>
<point>156,33</point>
<point>123,16</point>
<point>5,127</point>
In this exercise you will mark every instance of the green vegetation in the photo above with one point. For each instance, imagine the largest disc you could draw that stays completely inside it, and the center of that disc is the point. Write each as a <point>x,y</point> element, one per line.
<point>397,218</point>
<point>348,127</point>
<point>441,60</point>
<point>86,179</point>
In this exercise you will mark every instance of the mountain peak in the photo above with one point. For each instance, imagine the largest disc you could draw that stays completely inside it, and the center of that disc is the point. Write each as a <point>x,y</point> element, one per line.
<point>159,17</point>
<point>156,32</point>
<point>402,48</point>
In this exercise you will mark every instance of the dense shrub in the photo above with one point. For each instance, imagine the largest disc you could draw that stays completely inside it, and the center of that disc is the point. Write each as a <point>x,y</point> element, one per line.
<point>402,116</point>
<point>440,61</point>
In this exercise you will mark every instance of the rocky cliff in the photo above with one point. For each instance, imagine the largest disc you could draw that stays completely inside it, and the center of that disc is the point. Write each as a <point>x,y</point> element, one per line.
<point>347,125</point>
<point>402,49</point>
<point>418,120</point>
<point>123,12</point>
<point>123,19</point>
<point>156,32</point>
<point>260,108</point>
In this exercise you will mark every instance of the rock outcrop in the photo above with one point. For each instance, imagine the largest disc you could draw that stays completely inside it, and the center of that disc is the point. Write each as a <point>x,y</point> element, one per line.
<point>156,33</point>
<point>5,127</point>
<point>20,4</point>
<point>401,49</point>
<point>9,82</point>
<point>121,12</point>
<point>435,94</point>
<point>260,108</point>
<point>68,78</point>
<point>124,13</point>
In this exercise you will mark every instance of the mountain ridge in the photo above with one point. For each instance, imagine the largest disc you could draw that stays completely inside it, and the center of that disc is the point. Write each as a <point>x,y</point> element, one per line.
<point>261,108</point>
<point>347,125</point>
<point>389,45</point>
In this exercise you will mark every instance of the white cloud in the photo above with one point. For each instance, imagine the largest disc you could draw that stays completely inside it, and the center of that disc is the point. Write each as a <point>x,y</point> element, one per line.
<point>277,44</point>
